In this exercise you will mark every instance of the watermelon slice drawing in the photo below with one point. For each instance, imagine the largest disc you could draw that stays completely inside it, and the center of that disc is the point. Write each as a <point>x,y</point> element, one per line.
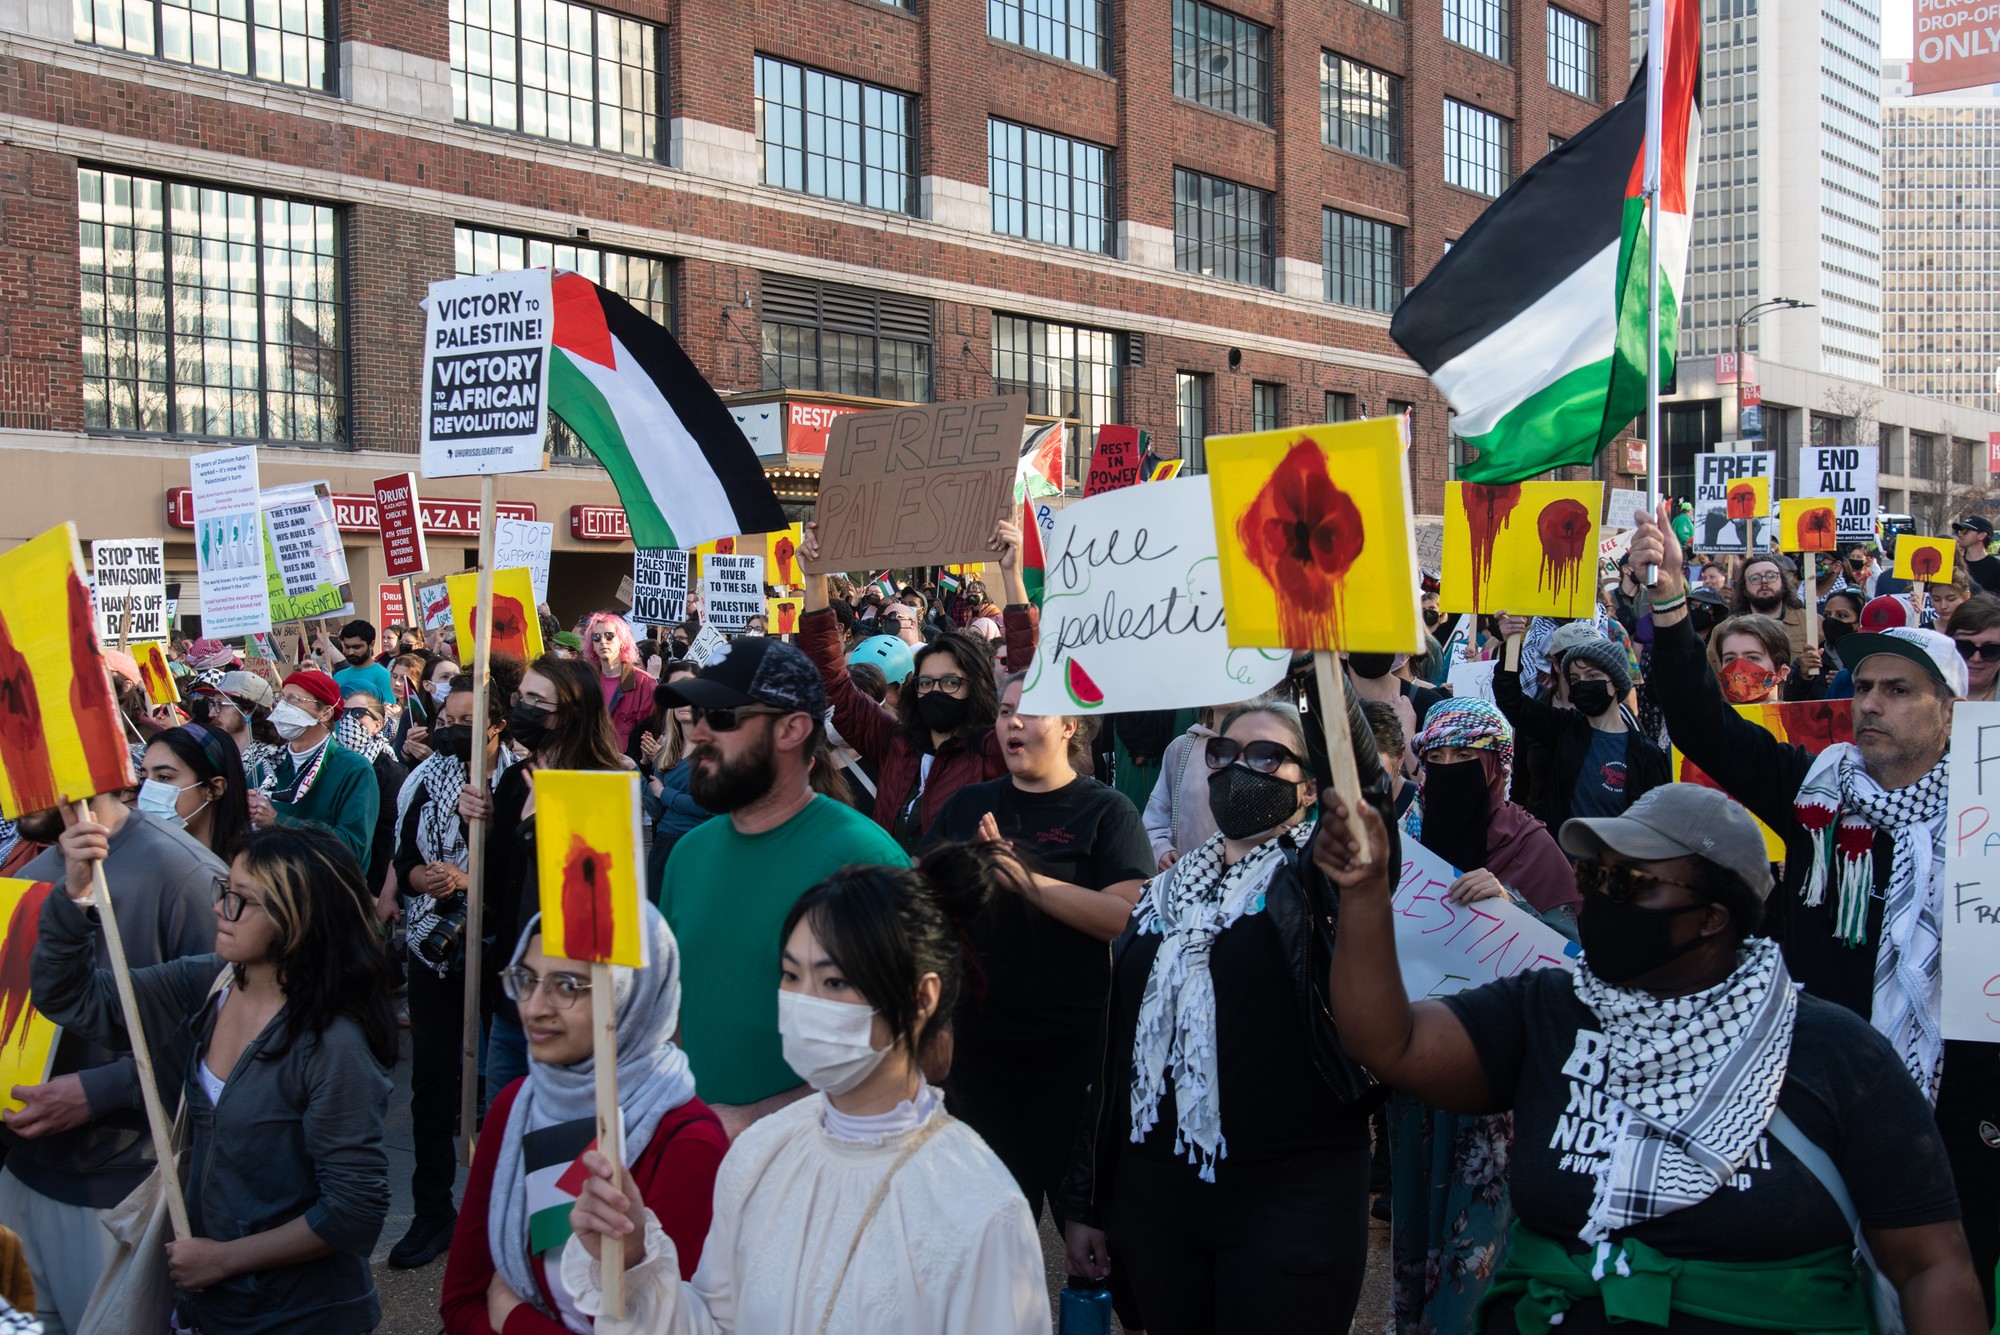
<point>1082,689</point>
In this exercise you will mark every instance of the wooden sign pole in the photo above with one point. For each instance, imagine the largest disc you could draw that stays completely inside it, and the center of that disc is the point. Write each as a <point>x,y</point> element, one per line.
<point>1340,742</point>
<point>610,1131</point>
<point>1812,599</point>
<point>142,1053</point>
<point>1513,660</point>
<point>475,838</point>
<point>125,624</point>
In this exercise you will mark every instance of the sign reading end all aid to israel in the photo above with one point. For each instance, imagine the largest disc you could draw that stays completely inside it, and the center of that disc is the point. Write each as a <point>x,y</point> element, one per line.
<point>486,373</point>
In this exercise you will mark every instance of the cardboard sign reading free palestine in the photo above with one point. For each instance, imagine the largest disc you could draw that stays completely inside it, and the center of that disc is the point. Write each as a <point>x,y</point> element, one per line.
<point>917,486</point>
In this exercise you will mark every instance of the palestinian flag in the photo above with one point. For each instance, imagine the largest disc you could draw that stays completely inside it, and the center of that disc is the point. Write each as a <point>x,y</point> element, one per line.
<point>553,1157</point>
<point>947,582</point>
<point>1533,324</point>
<point>884,584</point>
<point>1043,449</point>
<point>682,466</point>
<point>1033,562</point>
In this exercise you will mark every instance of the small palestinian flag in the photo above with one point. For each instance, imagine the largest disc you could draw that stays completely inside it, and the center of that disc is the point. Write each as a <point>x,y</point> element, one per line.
<point>883,585</point>
<point>1041,469</point>
<point>683,468</point>
<point>1033,562</point>
<point>553,1157</point>
<point>947,582</point>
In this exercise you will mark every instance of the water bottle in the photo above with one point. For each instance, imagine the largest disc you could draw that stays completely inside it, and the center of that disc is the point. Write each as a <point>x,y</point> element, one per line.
<point>1086,1308</point>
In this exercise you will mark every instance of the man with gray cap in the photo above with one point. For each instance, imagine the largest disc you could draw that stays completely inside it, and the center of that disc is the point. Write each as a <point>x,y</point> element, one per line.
<point>758,706</point>
<point>1593,762</point>
<point>240,704</point>
<point>1677,1103</point>
<point>1860,909</point>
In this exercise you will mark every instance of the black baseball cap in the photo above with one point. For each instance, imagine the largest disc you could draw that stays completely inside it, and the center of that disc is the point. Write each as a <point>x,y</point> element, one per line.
<point>754,670</point>
<point>1979,524</point>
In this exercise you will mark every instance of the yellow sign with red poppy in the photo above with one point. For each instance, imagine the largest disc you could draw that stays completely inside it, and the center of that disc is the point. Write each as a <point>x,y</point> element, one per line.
<point>781,557</point>
<point>589,854</point>
<point>1316,542</point>
<point>1808,523</point>
<point>1526,548</point>
<point>27,1037</point>
<point>1926,560</point>
<point>517,627</point>
<point>61,738</point>
<point>154,671</point>
<point>1166,470</point>
<point>1747,498</point>
<point>781,615</point>
<point>1812,724</point>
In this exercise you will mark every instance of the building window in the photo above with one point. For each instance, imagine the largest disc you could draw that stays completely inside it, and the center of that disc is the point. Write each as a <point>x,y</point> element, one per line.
<point>283,41</point>
<point>1361,109</point>
<point>643,280</point>
<point>1478,149</point>
<point>1923,449</point>
<point>558,71</point>
<point>1405,409</point>
<point>1222,61</point>
<point>1191,418</point>
<point>845,340</point>
<point>210,312</point>
<point>1048,188</point>
<point>1572,54</point>
<point>1222,229</point>
<point>1480,25</point>
<point>835,137</point>
<point>1072,30</point>
<point>1267,406</point>
<point>1065,370</point>
<point>1339,406</point>
<point>1393,8</point>
<point>1362,260</point>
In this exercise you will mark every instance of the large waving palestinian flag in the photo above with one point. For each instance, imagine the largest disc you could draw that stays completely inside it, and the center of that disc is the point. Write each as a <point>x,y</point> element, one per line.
<point>1534,324</point>
<point>682,466</point>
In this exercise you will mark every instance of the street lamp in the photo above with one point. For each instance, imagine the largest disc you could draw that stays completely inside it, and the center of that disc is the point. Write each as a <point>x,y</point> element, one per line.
<point>1761,308</point>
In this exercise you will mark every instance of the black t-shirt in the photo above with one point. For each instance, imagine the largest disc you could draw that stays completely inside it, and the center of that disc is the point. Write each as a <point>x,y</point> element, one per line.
<point>1273,1101</point>
<point>1543,1055</point>
<point>1045,979</point>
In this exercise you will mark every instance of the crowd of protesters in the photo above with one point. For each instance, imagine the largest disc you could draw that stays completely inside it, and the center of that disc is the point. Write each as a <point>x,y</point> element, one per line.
<point>927,974</point>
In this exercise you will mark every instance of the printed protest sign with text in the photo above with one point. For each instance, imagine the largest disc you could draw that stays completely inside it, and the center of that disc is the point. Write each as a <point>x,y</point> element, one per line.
<point>1848,475</point>
<point>129,576</point>
<point>1970,927</point>
<point>1718,527</point>
<point>229,542</point>
<point>396,508</point>
<point>659,585</point>
<point>1116,461</point>
<point>918,485</point>
<point>732,590</point>
<point>1133,580</point>
<point>486,373</point>
<point>306,563</point>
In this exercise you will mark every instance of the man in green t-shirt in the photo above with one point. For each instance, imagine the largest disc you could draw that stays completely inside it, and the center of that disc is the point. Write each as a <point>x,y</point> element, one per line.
<point>758,716</point>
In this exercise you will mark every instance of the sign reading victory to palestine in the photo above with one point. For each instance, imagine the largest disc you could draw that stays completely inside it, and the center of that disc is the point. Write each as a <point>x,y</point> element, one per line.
<point>486,373</point>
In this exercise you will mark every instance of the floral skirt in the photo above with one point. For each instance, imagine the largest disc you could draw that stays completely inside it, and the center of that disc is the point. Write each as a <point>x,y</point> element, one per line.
<point>1449,1212</point>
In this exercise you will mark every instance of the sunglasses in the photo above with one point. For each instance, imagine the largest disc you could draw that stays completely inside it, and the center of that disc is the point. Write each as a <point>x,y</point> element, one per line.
<point>730,717</point>
<point>604,635</point>
<point>1971,649</point>
<point>1264,757</point>
<point>562,989</point>
<point>1622,884</point>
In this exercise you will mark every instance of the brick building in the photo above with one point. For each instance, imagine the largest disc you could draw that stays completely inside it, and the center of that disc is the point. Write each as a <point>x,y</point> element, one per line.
<point>217,216</point>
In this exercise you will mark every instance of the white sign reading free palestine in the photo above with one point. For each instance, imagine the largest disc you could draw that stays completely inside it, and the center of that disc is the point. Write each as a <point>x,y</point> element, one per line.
<point>1132,608</point>
<point>1445,947</point>
<point>486,373</point>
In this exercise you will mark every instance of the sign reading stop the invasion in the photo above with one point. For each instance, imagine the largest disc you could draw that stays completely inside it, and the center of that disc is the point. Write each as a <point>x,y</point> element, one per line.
<point>402,535</point>
<point>1846,474</point>
<point>1716,529</point>
<point>130,578</point>
<point>1957,45</point>
<point>486,373</point>
<point>732,590</point>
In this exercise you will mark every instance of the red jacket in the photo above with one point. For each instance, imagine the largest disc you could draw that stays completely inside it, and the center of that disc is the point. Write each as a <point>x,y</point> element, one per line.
<point>634,705</point>
<point>878,735</point>
<point>676,1175</point>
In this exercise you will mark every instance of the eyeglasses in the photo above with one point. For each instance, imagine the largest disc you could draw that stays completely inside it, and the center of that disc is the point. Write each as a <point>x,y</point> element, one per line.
<point>1984,652</point>
<point>951,684</point>
<point>1622,884</point>
<point>562,989</point>
<point>233,904</point>
<point>1264,757</point>
<point>1766,577</point>
<point>311,704</point>
<point>729,718</point>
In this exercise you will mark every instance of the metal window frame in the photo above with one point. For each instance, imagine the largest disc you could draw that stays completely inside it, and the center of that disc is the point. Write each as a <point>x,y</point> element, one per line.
<point>657,113</point>
<point>1202,84</point>
<point>911,152</point>
<point>1341,231</point>
<point>1107,182</point>
<point>329,41</point>
<point>1575,52</point>
<point>1076,32</point>
<point>1202,212</point>
<point>802,303</point>
<point>1336,104</point>
<point>1485,27</point>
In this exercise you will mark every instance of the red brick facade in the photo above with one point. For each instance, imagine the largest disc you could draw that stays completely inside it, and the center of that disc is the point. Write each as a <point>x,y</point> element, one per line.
<point>279,140</point>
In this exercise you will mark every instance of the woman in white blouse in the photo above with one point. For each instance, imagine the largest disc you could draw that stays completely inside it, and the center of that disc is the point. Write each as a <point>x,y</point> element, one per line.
<point>867,1208</point>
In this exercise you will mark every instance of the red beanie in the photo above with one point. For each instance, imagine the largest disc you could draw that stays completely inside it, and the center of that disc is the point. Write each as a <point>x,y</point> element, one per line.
<point>316,684</point>
<point>1885,612</point>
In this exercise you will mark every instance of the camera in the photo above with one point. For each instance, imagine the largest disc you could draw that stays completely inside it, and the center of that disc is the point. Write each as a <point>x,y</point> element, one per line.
<point>439,946</point>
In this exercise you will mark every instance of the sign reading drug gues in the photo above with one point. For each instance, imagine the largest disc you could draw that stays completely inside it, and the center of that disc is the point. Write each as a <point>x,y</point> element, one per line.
<point>486,373</point>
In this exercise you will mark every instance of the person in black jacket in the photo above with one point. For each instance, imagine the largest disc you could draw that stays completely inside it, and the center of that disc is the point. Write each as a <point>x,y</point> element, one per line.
<point>1599,764</point>
<point>1224,1153</point>
<point>1858,924</point>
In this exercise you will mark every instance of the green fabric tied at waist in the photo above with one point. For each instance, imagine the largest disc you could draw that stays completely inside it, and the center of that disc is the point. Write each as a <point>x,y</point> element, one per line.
<point>1816,1293</point>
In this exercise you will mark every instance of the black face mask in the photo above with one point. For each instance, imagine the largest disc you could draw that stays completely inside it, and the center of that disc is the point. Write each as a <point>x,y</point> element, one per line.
<point>1371,666</point>
<point>529,725</point>
<point>1624,941</point>
<point>1245,802</point>
<point>1591,698</point>
<point>1835,631</point>
<point>1457,809</point>
<point>453,739</point>
<point>941,712</point>
<point>1431,619</point>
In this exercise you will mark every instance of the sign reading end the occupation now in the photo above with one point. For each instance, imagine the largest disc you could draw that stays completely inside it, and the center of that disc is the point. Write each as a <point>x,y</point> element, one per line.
<point>486,373</point>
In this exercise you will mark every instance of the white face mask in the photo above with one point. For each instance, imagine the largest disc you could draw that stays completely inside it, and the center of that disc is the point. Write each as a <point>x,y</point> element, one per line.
<point>161,801</point>
<point>291,722</point>
<point>826,1042</point>
<point>440,689</point>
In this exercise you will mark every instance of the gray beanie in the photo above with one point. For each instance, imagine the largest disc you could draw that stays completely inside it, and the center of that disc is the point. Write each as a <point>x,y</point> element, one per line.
<point>1603,654</point>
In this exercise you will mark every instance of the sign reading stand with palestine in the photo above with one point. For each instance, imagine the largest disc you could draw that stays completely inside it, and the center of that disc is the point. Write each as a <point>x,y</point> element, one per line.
<point>486,373</point>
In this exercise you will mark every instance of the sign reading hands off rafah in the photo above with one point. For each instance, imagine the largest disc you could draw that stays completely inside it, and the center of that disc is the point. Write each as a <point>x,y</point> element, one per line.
<point>1132,614</point>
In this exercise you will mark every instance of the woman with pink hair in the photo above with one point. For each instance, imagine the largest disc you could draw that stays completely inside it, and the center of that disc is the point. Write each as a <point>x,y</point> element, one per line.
<point>628,688</point>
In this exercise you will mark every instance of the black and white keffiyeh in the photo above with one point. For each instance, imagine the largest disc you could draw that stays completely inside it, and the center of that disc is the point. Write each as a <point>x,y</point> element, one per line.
<point>1694,1080</point>
<point>353,735</point>
<point>1190,904</point>
<point>430,798</point>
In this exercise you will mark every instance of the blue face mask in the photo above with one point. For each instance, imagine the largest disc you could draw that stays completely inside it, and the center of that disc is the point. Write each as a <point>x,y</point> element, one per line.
<point>161,801</point>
